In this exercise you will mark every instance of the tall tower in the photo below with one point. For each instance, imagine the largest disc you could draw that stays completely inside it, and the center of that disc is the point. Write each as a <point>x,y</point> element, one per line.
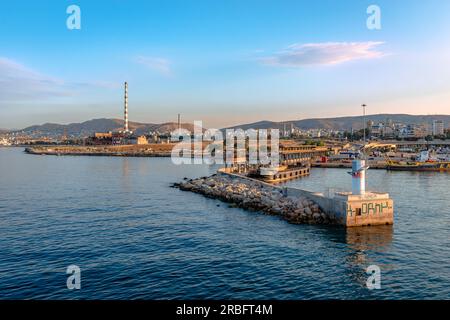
<point>126,108</point>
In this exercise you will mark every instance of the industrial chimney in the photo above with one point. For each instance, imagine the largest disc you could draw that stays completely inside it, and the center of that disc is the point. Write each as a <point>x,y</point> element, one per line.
<point>126,108</point>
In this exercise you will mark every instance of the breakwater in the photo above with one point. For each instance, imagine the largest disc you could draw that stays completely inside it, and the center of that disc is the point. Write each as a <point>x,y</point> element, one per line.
<point>150,150</point>
<point>254,195</point>
<point>293,204</point>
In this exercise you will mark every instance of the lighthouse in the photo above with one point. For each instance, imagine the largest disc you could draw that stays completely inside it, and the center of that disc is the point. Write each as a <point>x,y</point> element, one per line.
<point>359,177</point>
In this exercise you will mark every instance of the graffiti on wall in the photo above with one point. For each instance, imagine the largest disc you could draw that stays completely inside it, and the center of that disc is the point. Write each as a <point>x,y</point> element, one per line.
<point>368,208</point>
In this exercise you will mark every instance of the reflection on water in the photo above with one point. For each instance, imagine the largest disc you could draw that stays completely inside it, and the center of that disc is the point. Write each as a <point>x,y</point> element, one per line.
<point>362,241</point>
<point>369,238</point>
<point>139,238</point>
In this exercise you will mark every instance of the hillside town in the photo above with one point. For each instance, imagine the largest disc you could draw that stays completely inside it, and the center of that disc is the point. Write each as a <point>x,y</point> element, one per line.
<point>386,130</point>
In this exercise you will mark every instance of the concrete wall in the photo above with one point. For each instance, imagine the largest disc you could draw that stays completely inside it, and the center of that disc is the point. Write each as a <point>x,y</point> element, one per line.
<point>369,212</point>
<point>353,212</point>
<point>336,210</point>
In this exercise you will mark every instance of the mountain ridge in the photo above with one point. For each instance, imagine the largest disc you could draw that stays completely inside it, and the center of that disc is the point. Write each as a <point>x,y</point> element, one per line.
<point>345,122</point>
<point>89,127</point>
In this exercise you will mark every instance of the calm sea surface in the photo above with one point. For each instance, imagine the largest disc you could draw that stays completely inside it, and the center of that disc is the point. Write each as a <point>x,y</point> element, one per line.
<point>134,237</point>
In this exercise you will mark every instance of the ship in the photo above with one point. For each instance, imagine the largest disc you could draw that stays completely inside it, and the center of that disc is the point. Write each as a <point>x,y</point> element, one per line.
<point>423,163</point>
<point>277,174</point>
<point>271,170</point>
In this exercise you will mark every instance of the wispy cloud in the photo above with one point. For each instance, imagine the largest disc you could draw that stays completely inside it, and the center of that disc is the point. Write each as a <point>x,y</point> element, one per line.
<point>18,82</point>
<point>160,65</point>
<point>326,53</point>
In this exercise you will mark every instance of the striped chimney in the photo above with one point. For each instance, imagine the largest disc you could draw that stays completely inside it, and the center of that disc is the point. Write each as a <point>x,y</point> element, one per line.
<point>126,108</point>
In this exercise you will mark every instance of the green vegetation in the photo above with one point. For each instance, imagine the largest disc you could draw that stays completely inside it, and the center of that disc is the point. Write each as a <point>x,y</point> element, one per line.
<point>318,143</point>
<point>356,135</point>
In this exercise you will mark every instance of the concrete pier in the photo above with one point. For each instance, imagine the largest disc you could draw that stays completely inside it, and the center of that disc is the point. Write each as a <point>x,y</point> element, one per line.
<point>296,205</point>
<point>350,210</point>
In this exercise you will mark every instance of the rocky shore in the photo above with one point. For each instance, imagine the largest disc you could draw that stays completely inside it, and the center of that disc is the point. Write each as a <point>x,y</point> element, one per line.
<point>253,195</point>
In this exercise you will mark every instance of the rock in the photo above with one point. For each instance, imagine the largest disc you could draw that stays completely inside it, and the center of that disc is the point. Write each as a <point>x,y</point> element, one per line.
<point>251,195</point>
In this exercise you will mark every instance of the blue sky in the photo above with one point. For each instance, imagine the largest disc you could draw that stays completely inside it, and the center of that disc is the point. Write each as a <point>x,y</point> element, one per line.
<point>223,62</point>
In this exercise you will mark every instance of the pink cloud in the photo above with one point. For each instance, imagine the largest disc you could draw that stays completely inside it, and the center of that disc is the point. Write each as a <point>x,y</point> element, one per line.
<point>327,53</point>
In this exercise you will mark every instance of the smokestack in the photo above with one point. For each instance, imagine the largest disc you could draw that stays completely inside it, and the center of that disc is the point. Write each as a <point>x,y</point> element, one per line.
<point>179,122</point>
<point>126,108</point>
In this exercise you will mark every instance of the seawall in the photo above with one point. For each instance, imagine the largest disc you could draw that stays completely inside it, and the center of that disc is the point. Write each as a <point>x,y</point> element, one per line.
<point>255,195</point>
<point>293,204</point>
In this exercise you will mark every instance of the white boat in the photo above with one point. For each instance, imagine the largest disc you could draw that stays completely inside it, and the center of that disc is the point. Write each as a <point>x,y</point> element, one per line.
<point>272,170</point>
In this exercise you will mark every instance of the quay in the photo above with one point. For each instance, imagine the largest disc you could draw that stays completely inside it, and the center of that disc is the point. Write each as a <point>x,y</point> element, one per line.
<point>382,165</point>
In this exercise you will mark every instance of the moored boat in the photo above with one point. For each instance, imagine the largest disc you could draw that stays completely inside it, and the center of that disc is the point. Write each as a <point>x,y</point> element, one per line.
<point>419,166</point>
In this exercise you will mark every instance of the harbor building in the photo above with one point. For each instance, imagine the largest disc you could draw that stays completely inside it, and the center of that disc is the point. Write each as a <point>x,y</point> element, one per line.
<point>438,128</point>
<point>294,162</point>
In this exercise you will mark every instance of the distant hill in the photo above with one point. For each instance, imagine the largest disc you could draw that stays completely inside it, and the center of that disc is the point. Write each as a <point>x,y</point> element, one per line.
<point>100,125</point>
<point>105,125</point>
<point>345,123</point>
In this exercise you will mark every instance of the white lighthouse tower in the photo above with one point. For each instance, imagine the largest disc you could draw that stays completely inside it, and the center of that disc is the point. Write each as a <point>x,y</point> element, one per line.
<point>359,177</point>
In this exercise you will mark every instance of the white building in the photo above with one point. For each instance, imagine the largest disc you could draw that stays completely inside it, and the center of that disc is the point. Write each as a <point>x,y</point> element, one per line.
<point>414,131</point>
<point>438,128</point>
<point>4,142</point>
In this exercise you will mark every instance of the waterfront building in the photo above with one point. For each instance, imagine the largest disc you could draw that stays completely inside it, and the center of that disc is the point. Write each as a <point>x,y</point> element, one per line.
<point>438,128</point>
<point>4,142</point>
<point>141,140</point>
<point>103,135</point>
<point>414,131</point>
<point>377,130</point>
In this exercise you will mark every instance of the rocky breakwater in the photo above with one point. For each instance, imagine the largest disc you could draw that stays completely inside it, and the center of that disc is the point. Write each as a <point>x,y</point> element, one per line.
<point>257,196</point>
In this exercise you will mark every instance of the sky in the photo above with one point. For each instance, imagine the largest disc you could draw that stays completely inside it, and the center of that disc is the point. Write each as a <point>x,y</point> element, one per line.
<point>223,62</point>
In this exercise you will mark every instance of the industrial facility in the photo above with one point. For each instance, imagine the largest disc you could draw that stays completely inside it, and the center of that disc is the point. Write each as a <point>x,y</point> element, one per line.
<point>121,137</point>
